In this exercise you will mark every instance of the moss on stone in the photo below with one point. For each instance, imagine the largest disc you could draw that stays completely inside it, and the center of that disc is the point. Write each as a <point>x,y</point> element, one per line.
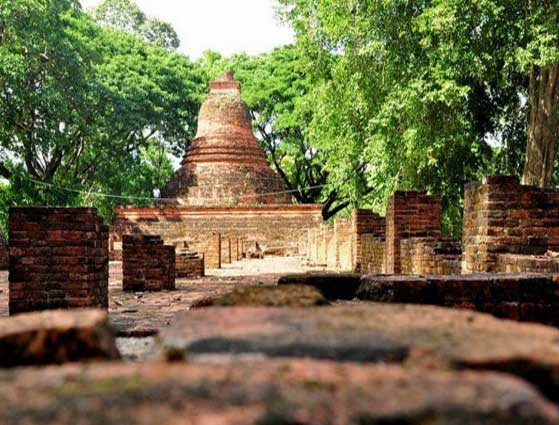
<point>274,296</point>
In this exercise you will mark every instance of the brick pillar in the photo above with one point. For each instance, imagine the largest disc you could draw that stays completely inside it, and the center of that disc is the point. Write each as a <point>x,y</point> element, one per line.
<point>330,247</point>
<point>410,214</point>
<point>501,216</point>
<point>189,264</point>
<point>226,250</point>
<point>364,224</point>
<point>212,251</point>
<point>59,258</point>
<point>234,248</point>
<point>343,238</point>
<point>147,264</point>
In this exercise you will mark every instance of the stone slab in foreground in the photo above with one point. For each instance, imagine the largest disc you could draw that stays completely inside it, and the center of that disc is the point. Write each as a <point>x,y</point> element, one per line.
<point>56,337</point>
<point>418,335</point>
<point>334,286</point>
<point>268,296</point>
<point>527,297</point>
<point>266,392</point>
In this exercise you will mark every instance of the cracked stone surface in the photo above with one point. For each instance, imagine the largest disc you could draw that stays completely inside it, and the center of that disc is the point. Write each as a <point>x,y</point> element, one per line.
<point>266,393</point>
<point>421,336</point>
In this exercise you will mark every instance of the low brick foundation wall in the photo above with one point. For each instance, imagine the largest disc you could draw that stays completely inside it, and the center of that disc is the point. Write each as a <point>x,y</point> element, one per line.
<point>409,214</point>
<point>189,264</point>
<point>59,258</point>
<point>372,254</point>
<point>343,241</point>
<point>501,216</point>
<point>368,235</point>
<point>430,256</point>
<point>275,227</point>
<point>147,264</point>
<point>523,296</point>
<point>225,251</point>
<point>513,263</point>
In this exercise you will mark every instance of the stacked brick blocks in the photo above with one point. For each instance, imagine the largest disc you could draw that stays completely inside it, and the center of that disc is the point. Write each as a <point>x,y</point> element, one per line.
<point>59,258</point>
<point>189,263</point>
<point>409,215</point>
<point>430,256</point>
<point>503,217</point>
<point>519,296</point>
<point>368,240</point>
<point>148,264</point>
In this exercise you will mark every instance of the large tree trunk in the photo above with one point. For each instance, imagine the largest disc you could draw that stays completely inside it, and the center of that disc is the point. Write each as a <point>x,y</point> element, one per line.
<point>543,124</point>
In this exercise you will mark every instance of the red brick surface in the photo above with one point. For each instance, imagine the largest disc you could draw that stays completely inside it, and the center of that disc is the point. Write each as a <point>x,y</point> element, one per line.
<point>409,214</point>
<point>430,256</point>
<point>225,164</point>
<point>522,296</point>
<point>503,217</point>
<point>147,264</point>
<point>58,259</point>
<point>189,264</point>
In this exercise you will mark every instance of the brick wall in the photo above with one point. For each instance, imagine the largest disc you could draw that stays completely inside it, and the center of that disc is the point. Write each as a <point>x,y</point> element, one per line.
<point>501,216</point>
<point>519,296</point>
<point>366,228</point>
<point>343,237</point>
<point>372,254</point>
<point>189,264</point>
<point>235,249</point>
<point>321,246</point>
<point>226,250</point>
<point>210,248</point>
<point>147,264</point>
<point>517,263</point>
<point>330,242</point>
<point>410,214</point>
<point>59,258</point>
<point>430,256</point>
<point>273,227</point>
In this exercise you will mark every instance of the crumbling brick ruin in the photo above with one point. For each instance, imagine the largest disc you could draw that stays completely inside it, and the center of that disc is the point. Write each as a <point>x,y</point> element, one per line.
<point>430,256</point>
<point>368,241</point>
<point>59,258</point>
<point>189,264</point>
<point>225,164</point>
<point>521,297</point>
<point>225,185</point>
<point>409,240</point>
<point>226,257</point>
<point>147,264</point>
<point>409,215</point>
<point>508,228</point>
<point>502,217</point>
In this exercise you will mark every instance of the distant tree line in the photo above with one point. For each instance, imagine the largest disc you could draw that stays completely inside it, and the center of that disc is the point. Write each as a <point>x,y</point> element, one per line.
<point>372,97</point>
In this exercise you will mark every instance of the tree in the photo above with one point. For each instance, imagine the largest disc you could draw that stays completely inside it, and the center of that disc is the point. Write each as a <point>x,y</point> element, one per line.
<point>421,94</point>
<point>276,89</point>
<point>125,15</point>
<point>87,108</point>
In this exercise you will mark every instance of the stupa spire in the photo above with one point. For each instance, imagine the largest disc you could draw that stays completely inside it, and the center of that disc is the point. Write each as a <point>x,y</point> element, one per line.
<point>225,164</point>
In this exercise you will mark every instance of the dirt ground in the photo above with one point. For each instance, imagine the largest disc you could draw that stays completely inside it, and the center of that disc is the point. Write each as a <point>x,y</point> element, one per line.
<point>138,317</point>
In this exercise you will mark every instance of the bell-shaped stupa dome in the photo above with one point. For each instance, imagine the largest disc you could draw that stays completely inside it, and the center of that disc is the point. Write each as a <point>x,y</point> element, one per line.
<point>225,164</point>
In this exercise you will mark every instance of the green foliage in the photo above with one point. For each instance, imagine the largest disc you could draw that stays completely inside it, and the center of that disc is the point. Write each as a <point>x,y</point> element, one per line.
<point>125,15</point>
<point>87,108</point>
<point>420,95</point>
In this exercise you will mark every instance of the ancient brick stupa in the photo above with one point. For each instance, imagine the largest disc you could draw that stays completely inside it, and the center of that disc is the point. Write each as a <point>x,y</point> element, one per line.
<point>225,164</point>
